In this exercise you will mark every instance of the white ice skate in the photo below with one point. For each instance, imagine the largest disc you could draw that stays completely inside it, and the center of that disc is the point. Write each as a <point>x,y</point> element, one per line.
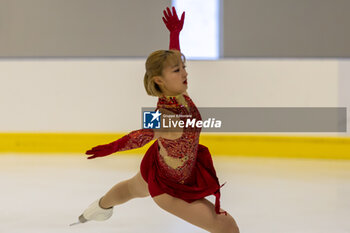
<point>95,212</point>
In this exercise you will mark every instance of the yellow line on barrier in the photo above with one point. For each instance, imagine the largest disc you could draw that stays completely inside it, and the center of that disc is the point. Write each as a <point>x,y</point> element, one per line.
<point>218,144</point>
<point>279,146</point>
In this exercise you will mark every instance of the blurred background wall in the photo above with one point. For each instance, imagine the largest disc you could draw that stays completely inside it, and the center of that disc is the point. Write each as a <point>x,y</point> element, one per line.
<point>79,28</point>
<point>133,28</point>
<point>288,28</point>
<point>107,94</point>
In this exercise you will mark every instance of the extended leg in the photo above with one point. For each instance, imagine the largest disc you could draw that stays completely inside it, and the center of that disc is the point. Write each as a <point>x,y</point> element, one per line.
<point>124,191</point>
<point>200,213</point>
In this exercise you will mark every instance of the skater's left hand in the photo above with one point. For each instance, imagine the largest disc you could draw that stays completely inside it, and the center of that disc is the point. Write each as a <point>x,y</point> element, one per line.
<point>101,151</point>
<point>172,21</point>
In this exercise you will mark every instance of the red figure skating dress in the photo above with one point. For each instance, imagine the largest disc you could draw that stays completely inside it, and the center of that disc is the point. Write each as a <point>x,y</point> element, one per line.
<point>187,171</point>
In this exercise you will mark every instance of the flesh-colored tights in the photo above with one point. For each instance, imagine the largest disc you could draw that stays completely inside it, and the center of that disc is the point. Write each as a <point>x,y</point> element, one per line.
<point>200,213</point>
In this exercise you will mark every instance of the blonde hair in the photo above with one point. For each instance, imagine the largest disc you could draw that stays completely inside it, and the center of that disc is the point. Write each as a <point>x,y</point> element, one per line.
<point>155,64</point>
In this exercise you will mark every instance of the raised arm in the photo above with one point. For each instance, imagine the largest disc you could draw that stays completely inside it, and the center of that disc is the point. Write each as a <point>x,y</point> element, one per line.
<point>174,26</point>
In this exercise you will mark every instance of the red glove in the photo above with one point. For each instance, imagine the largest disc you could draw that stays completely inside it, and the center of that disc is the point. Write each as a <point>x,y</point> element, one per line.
<point>174,26</point>
<point>135,139</point>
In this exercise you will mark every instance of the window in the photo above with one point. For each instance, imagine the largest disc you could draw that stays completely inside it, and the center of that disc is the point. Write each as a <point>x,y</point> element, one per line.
<point>199,38</point>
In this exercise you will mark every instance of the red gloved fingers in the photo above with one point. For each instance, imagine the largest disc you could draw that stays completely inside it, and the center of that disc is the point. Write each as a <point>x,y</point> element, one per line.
<point>94,150</point>
<point>174,12</point>
<point>96,154</point>
<point>165,15</point>
<point>169,12</point>
<point>177,18</point>
<point>182,20</point>
<point>90,152</point>
<point>165,21</point>
<point>169,16</point>
<point>92,157</point>
<point>100,151</point>
<point>172,21</point>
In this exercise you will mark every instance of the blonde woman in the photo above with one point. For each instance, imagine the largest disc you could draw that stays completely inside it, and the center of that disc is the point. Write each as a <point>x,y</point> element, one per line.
<point>176,171</point>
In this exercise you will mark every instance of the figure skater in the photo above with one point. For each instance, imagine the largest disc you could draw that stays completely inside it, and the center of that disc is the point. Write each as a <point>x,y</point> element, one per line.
<point>176,171</point>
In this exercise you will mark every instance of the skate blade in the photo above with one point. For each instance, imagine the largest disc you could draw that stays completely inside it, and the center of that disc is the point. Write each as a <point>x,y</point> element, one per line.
<point>76,223</point>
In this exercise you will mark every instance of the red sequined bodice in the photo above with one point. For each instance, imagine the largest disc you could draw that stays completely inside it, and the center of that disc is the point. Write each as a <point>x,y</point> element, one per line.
<point>179,157</point>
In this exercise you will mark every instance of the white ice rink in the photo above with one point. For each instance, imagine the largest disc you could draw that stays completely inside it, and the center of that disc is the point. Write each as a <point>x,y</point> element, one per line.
<point>45,193</point>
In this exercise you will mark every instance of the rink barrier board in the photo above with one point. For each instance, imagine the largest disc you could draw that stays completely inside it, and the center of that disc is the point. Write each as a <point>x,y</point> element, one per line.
<point>235,145</point>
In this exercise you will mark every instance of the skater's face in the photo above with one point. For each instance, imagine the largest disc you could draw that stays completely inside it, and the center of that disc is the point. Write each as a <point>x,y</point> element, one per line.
<point>173,80</point>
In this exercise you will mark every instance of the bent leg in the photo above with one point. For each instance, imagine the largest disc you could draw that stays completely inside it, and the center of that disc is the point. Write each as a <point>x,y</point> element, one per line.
<point>124,191</point>
<point>200,213</point>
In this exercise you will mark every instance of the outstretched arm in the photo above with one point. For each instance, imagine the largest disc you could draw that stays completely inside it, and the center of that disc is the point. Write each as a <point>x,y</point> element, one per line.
<point>135,139</point>
<point>174,26</point>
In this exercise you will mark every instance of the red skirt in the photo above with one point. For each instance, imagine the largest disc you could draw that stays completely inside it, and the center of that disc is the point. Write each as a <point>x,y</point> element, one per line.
<point>204,176</point>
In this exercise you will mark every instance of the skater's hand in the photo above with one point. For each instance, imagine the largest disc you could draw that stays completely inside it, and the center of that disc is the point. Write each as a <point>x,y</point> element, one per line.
<point>100,151</point>
<point>134,139</point>
<point>171,20</point>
